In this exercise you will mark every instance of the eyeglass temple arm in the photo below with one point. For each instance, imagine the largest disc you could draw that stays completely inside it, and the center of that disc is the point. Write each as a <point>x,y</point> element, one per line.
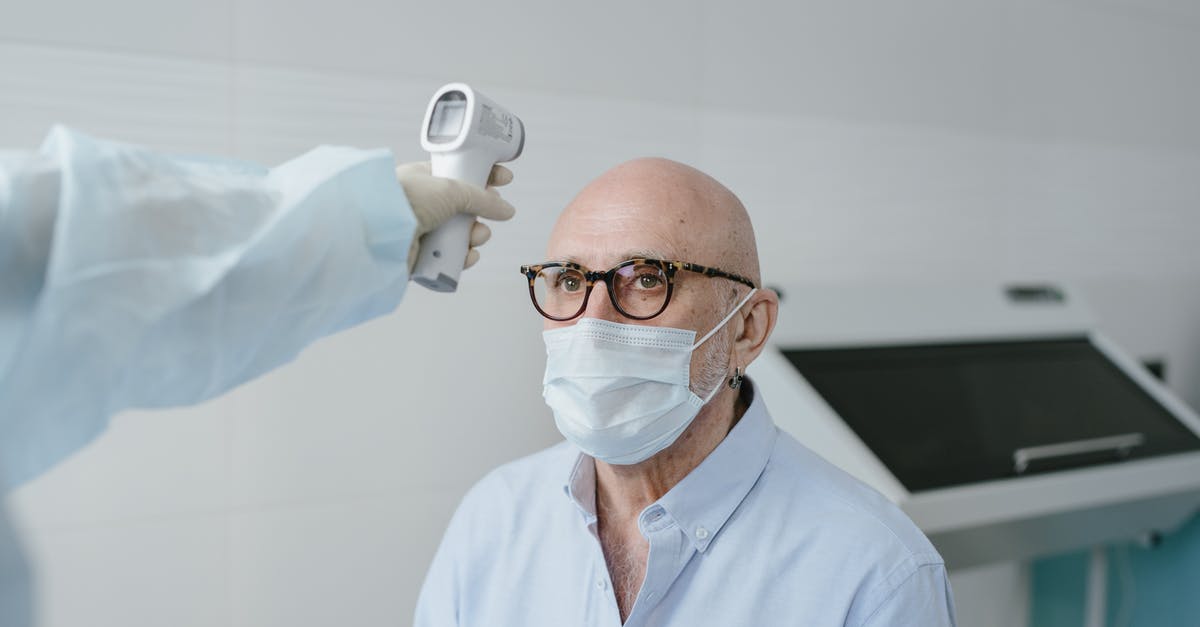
<point>714,272</point>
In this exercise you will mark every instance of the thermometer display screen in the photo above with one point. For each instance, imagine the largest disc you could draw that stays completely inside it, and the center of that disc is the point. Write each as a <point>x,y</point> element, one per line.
<point>449,115</point>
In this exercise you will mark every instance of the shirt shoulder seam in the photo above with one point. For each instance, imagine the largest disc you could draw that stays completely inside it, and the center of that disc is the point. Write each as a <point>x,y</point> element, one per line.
<point>917,568</point>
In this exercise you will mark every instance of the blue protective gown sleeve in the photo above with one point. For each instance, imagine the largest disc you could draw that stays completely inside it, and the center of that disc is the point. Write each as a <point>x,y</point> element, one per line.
<point>129,278</point>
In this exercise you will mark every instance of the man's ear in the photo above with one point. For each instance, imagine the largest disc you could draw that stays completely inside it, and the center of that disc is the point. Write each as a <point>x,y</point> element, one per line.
<point>758,321</point>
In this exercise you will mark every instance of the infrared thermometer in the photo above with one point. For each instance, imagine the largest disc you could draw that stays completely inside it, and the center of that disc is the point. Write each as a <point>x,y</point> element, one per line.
<point>465,133</point>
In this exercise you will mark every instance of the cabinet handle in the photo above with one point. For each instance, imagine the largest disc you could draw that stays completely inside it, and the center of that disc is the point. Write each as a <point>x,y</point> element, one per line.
<point>1121,445</point>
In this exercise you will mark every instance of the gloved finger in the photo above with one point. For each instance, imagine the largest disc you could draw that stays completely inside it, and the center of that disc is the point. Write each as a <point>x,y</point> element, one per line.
<point>414,250</point>
<point>472,258</point>
<point>483,203</point>
<point>414,167</point>
<point>500,176</point>
<point>480,233</point>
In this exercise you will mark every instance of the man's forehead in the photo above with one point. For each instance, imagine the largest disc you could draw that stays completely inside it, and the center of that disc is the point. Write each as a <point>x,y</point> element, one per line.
<point>602,260</point>
<point>628,216</point>
<point>598,243</point>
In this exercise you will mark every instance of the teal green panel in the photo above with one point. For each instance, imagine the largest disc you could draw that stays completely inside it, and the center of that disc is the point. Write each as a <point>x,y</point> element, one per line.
<point>1058,588</point>
<point>1158,587</point>
<point>1161,586</point>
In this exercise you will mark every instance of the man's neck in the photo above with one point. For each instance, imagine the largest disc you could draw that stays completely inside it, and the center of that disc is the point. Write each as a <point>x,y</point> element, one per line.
<point>622,492</point>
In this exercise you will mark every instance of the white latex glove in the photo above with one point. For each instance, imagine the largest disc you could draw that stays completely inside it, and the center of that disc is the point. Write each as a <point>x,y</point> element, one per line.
<point>435,200</point>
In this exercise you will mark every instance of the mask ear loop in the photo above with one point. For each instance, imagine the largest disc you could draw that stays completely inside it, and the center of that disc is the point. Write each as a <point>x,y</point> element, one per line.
<point>727,318</point>
<point>704,339</point>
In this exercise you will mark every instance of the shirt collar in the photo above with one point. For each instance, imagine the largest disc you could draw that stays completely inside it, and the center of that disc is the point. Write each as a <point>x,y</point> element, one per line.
<point>581,486</point>
<point>704,500</point>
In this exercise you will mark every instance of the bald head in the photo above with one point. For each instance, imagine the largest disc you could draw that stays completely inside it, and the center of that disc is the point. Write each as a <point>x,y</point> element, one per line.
<point>661,208</point>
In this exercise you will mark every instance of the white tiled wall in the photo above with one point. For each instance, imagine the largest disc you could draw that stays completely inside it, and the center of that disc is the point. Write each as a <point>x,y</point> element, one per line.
<point>980,140</point>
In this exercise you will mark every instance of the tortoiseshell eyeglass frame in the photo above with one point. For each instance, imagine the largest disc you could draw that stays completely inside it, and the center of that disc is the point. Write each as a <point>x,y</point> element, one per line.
<point>669,268</point>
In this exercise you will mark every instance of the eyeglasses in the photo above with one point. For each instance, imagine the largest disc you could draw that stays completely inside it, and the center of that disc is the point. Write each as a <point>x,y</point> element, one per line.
<point>638,288</point>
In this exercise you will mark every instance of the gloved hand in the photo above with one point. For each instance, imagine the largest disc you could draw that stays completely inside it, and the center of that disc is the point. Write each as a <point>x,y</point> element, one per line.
<point>435,200</point>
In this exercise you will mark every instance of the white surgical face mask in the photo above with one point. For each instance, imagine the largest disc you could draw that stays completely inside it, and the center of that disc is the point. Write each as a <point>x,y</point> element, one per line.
<point>621,392</point>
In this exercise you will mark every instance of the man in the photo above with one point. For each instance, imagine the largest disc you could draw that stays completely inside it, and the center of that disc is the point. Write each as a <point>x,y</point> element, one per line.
<point>675,500</point>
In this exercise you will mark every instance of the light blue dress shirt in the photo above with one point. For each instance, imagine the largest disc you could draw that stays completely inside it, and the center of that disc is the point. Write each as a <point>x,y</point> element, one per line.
<point>763,532</point>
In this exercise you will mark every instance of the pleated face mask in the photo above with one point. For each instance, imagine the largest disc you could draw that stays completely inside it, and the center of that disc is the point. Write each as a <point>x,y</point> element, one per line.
<point>621,392</point>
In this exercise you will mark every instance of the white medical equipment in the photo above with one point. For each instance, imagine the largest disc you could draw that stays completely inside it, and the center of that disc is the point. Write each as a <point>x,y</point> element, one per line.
<point>1001,421</point>
<point>465,133</point>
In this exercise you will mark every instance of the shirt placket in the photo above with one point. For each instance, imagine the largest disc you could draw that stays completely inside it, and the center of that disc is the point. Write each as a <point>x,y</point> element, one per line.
<point>669,553</point>
<point>603,608</point>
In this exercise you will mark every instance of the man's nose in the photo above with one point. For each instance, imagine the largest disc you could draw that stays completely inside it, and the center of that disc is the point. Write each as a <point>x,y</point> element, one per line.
<point>600,306</point>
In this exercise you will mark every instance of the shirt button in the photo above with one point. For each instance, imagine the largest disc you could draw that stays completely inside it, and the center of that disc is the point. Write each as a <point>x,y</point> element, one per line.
<point>701,533</point>
<point>601,585</point>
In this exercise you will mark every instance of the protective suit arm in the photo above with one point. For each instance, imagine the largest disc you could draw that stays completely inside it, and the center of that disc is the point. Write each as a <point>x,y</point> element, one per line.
<point>129,278</point>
